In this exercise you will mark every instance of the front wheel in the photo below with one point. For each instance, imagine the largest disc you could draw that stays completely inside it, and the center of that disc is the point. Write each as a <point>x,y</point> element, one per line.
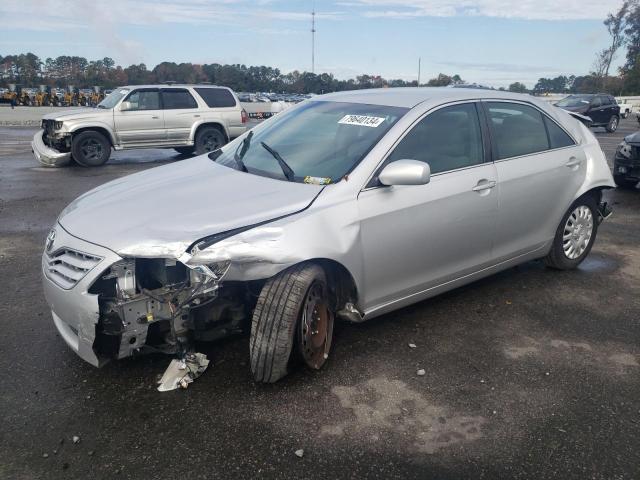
<point>612,126</point>
<point>90,149</point>
<point>293,315</point>
<point>575,235</point>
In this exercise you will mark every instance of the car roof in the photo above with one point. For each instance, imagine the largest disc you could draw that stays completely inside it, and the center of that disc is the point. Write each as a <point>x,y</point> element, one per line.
<point>590,94</point>
<point>175,85</point>
<point>409,97</point>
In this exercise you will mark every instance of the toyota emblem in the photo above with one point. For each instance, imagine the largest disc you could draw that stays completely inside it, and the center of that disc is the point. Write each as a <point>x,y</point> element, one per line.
<point>50,239</point>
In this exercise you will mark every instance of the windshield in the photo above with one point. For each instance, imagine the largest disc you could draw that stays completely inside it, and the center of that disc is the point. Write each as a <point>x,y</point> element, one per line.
<point>574,101</point>
<point>113,98</point>
<point>320,142</point>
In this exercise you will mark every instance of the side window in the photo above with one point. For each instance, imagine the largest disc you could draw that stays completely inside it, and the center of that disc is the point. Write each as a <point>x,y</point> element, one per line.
<point>557,136</point>
<point>517,129</point>
<point>217,97</point>
<point>446,139</point>
<point>175,98</point>
<point>144,100</point>
<point>596,102</point>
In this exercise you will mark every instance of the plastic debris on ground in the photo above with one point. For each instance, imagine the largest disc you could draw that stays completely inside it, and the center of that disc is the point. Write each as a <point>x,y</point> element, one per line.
<point>181,372</point>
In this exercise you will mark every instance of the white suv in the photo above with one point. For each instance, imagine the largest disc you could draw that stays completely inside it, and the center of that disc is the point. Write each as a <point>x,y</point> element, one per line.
<point>188,118</point>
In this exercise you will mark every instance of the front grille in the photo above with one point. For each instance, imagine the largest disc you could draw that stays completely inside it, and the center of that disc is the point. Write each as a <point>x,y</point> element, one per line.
<point>66,267</point>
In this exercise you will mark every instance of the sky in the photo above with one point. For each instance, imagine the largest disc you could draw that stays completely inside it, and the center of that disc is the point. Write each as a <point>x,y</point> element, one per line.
<point>491,42</point>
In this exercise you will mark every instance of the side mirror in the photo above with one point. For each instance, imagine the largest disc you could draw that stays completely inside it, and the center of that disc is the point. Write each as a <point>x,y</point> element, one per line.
<point>405,172</point>
<point>124,106</point>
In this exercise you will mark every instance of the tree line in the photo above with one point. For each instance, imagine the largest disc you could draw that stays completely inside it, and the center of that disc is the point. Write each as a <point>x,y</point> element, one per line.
<point>29,70</point>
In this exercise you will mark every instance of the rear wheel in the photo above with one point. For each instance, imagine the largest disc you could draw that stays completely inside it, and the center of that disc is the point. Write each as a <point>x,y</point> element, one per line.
<point>293,314</point>
<point>90,149</point>
<point>209,139</point>
<point>612,126</point>
<point>575,235</point>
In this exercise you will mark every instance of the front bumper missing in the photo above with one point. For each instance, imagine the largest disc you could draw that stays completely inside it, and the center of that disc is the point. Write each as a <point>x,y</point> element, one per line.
<point>46,155</point>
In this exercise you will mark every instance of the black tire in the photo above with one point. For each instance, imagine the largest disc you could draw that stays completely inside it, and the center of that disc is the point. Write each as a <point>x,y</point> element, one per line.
<point>185,150</point>
<point>557,257</point>
<point>209,139</point>
<point>612,126</point>
<point>624,182</point>
<point>90,149</point>
<point>276,327</point>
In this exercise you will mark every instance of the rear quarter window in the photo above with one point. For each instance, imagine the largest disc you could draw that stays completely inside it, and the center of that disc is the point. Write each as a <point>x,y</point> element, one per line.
<point>558,138</point>
<point>217,97</point>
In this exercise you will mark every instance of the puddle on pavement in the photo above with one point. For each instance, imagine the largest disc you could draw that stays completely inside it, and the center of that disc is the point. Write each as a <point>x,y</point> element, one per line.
<point>598,264</point>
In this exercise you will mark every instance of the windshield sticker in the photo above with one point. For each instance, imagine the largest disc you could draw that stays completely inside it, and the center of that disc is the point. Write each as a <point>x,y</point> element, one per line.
<point>317,180</point>
<point>361,120</point>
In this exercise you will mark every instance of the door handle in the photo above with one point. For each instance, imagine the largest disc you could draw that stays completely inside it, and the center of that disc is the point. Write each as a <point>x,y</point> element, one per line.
<point>155,118</point>
<point>197,116</point>
<point>573,162</point>
<point>484,185</point>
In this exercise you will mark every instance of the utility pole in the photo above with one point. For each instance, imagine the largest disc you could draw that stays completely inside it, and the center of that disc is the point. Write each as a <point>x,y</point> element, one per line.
<point>419,61</point>
<point>313,38</point>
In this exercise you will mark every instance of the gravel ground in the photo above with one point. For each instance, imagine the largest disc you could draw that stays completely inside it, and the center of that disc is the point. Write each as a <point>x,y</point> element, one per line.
<point>530,373</point>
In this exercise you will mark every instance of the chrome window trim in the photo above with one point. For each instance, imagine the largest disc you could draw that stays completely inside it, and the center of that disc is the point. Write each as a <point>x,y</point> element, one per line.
<point>534,153</point>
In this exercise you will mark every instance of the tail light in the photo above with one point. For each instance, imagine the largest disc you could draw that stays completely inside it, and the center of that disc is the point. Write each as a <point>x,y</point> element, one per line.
<point>245,117</point>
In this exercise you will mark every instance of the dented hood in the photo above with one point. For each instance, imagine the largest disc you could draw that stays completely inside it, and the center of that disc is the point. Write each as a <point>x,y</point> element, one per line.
<point>160,212</point>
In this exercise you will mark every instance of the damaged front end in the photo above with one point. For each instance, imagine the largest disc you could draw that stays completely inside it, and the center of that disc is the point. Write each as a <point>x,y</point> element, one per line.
<point>51,150</point>
<point>161,305</point>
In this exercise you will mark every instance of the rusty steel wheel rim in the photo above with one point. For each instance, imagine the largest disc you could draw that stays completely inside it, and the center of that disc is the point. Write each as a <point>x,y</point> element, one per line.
<point>316,328</point>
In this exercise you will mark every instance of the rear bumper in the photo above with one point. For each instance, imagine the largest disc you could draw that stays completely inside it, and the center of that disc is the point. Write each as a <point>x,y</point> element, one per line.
<point>47,156</point>
<point>236,131</point>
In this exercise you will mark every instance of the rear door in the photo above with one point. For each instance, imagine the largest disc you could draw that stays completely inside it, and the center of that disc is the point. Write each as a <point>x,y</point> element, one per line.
<point>180,113</point>
<point>540,168</point>
<point>143,123</point>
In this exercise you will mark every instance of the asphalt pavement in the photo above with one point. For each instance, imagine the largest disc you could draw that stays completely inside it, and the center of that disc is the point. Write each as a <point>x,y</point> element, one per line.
<point>531,373</point>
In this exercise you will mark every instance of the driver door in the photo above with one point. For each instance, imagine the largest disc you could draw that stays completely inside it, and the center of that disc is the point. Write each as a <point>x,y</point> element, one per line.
<point>143,123</point>
<point>418,237</point>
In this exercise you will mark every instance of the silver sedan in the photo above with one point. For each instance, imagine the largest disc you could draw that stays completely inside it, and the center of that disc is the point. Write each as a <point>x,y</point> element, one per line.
<point>348,205</point>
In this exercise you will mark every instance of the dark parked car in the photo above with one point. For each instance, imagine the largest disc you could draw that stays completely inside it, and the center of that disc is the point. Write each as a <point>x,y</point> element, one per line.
<point>602,109</point>
<point>626,165</point>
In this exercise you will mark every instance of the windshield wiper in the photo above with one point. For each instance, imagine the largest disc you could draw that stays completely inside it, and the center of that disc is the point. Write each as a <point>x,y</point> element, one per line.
<point>286,169</point>
<point>243,150</point>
